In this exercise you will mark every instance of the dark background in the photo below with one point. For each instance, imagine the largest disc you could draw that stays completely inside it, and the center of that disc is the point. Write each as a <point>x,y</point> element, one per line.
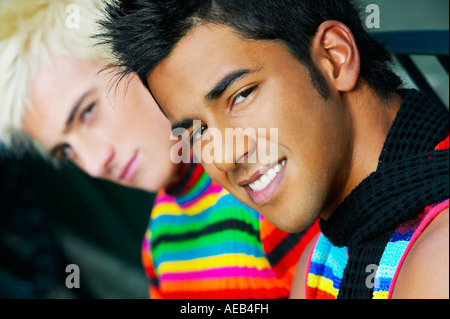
<point>52,218</point>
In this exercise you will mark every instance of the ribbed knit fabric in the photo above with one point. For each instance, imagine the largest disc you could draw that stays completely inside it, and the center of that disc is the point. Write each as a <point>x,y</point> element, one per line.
<point>412,174</point>
<point>204,243</point>
<point>325,270</point>
<point>327,262</point>
<point>398,247</point>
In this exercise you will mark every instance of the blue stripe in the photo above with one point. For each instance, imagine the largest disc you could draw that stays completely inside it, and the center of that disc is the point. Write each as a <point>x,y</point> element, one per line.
<point>326,272</point>
<point>227,247</point>
<point>401,237</point>
<point>382,284</point>
<point>226,203</point>
<point>195,193</point>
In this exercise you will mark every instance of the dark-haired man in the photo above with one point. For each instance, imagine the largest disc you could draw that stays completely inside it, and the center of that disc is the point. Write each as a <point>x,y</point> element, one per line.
<point>354,149</point>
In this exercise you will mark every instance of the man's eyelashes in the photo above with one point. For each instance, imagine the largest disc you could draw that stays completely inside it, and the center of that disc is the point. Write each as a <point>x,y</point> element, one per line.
<point>198,133</point>
<point>64,150</point>
<point>241,97</point>
<point>88,112</point>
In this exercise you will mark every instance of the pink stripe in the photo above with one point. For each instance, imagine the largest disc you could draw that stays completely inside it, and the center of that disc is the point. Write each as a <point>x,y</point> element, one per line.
<point>224,272</point>
<point>145,244</point>
<point>162,197</point>
<point>428,218</point>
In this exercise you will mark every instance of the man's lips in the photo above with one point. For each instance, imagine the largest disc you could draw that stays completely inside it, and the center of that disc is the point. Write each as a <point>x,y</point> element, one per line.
<point>264,189</point>
<point>129,169</point>
<point>258,173</point>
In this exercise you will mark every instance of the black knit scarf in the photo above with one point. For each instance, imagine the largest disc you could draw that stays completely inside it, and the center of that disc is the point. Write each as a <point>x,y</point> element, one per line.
<point>410,176</point>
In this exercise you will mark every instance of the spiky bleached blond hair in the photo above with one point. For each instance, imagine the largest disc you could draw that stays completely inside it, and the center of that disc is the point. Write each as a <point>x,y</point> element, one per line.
<point>29,31</point>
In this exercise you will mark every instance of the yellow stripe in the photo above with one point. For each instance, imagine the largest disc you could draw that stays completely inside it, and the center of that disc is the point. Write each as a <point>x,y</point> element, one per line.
<point>213,262</point>
<point>166,209</point>
<point>380,295</point>
<point>322,283</point>
<point>198,207</point>
<point>202,204</point>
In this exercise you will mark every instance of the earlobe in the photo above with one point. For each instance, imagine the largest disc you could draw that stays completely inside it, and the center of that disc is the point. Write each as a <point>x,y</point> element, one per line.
<point>335,53</point>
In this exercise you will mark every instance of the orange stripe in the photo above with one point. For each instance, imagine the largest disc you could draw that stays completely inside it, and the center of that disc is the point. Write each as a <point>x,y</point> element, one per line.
<point>219,284</point>
<point>270,235</point>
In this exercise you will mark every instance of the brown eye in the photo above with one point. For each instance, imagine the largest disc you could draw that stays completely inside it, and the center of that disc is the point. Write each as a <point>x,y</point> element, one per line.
<point>63,151</point>
<point>198,133</point>
<point>243,95</point>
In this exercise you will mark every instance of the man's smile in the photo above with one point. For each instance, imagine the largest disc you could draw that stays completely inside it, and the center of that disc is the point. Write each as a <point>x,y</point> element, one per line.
<point>262,185</point>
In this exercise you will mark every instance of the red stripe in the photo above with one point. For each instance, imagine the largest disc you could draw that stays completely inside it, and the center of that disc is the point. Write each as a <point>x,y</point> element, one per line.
<point>262,293</point>
<point>442,145</point>
<point>292,257</point>
<point>316,293</point>
<point>275,237</point>
<point>196,174</point>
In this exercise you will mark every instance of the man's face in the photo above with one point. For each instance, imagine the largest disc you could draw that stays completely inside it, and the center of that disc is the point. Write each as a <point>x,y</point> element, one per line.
<point>114,133</point>
<point>228,82</point>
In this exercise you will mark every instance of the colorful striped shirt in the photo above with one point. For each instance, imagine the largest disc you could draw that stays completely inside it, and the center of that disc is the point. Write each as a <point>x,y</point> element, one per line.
<point>204,243</point>
<point>327,262</point>
<point>398,247</point>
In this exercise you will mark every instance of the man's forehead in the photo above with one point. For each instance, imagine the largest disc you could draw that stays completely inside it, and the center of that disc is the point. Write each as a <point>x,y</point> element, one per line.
<point>196,64</point>
<point>55,89</point>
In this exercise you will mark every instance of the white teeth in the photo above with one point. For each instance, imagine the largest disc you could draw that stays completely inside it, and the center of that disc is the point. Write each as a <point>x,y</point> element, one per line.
<point>272,173</point>
<point>277,168</point>
<point>257,185</point>
<point>265,179</point>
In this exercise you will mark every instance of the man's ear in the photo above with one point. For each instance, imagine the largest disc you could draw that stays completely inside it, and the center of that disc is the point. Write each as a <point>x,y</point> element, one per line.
<point>335,53</point>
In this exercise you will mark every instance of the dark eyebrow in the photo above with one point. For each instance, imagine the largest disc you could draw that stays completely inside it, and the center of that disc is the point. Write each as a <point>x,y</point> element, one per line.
<point>74,110</point>
<point>186,123</point>
<point>215,93</point>
<point>224,83</point>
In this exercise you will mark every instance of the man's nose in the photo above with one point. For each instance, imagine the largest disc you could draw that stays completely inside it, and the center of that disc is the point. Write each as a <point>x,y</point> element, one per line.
<point>232,150</point>
<point>96,159</point>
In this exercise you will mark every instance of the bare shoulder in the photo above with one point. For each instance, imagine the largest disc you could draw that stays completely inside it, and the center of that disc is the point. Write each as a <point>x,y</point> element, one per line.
<point>425,271</point>
<point>298,284</point>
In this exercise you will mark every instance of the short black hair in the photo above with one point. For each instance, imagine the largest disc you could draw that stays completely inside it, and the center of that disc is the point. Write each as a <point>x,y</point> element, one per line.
<point>142,33</point>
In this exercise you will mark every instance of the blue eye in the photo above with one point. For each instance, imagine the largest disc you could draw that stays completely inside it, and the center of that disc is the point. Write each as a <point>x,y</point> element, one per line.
<point>88,112</point>
<point>66,150</point>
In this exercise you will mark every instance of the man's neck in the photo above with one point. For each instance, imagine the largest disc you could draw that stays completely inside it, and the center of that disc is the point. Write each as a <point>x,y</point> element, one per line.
<point>371,118</point>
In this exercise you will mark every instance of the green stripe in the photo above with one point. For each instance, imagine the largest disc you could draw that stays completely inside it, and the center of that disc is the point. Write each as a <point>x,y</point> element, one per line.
<point>218,215</point>
<point>201,181</point>
<point>207,240</point>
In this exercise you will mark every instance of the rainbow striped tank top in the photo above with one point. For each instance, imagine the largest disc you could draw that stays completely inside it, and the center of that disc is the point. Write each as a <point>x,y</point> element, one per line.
<point>398,247</point>
<point>206,244</point>
<point>327,262</point>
